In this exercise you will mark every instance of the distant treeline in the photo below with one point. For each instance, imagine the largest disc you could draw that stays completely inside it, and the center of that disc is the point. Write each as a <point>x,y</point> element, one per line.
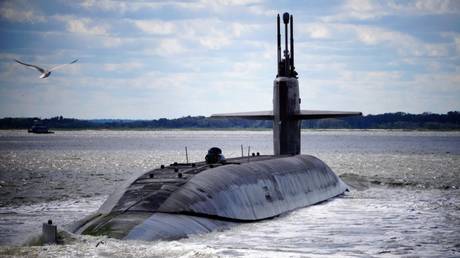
<point>399,120</point>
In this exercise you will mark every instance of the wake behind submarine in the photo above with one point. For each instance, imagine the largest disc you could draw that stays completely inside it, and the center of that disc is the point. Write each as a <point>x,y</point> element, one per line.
<point>174,201</point>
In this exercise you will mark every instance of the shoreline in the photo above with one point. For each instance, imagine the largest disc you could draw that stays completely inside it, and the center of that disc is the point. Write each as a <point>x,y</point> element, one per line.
<point>242,129</point>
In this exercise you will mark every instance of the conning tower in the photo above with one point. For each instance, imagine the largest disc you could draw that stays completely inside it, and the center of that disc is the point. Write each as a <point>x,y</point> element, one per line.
<point>286,114</point>
<point>286,100</point>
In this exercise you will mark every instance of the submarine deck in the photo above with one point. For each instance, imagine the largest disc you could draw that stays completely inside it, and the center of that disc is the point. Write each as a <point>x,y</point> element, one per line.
<point>148,191</point>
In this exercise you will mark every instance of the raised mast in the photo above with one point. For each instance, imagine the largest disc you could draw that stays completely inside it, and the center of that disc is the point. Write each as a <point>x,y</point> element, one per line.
<point>278,36</point>
<point>292,46</point>
<point>286,51</point>
<point>286,61</point>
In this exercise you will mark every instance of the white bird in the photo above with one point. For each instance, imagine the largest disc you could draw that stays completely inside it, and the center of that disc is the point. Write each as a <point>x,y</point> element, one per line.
<point>45,72</point>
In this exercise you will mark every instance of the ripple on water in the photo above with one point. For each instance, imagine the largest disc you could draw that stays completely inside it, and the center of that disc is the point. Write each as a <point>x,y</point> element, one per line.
<point>404,200</point>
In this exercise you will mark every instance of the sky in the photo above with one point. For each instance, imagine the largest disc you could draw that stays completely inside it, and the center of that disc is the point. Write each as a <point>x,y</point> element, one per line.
<point>169,59</point>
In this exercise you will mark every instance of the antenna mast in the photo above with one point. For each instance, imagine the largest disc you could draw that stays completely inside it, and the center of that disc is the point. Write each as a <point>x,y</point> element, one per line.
<point>286,63</point>
<point>278,36</point>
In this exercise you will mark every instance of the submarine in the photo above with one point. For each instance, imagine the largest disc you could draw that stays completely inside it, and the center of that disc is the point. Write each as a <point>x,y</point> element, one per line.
<point>180,199</point>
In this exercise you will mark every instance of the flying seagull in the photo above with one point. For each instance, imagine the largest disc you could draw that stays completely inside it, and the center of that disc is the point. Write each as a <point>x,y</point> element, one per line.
<point>45,72</point>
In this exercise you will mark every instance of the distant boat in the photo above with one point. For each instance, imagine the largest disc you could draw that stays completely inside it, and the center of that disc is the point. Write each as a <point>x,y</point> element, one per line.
<point>39,128</point>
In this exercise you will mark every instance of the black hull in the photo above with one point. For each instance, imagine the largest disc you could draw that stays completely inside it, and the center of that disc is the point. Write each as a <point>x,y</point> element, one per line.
<point>179,200</point>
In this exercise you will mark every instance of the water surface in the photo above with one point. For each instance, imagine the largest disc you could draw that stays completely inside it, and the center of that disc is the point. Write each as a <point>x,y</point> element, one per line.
<point>405,199</point>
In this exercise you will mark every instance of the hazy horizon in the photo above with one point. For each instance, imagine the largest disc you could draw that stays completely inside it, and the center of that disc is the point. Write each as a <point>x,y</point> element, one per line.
<point>156,118</point>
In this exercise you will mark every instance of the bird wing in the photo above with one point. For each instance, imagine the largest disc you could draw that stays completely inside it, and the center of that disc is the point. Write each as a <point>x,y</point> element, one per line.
<point>31,65</point>
<point>60,66</point>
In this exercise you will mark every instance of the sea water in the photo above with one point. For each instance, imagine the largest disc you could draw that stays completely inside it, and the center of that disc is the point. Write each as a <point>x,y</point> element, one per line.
<point>404,198</point>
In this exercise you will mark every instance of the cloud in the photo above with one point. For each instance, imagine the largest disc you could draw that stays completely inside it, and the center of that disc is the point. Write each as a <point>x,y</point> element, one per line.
<point>316,30</point>
<point>216,35</point>
<point>155,26</point>
<point>253,6</point>
<point>20,12</point>
<point>216,41</point>
<point>382,91</point>
<point>358,9</point>
<point>438,82</point>
<point>231,2</point>
<point>121,6</point>
<point>457,44</point>
<point>94,32</point>
<point>369,10</point>
<point>169,47</point>
<point>425,7</point>
<point>83,25</point>
<point>220,5</point>
<point>112,41</point>
<point>363,9</point>
<point>239,29</point>
<point>403,43</point>
<point>215,5</point>
<point>124,67</point>
<point>261,10</point>
<point>454,39</point>
<point>219,34</point>
<point>105,5</point>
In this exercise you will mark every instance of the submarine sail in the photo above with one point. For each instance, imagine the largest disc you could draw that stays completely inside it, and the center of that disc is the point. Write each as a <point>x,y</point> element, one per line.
<point>286,114</point>
<point>181,199</point>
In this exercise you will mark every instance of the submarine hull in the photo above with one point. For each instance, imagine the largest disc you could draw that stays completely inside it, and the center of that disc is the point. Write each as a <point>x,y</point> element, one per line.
<point>179,200</point>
